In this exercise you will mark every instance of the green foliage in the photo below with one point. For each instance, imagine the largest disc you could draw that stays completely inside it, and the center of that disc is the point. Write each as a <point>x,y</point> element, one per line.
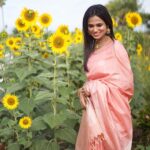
<point>47,92</point>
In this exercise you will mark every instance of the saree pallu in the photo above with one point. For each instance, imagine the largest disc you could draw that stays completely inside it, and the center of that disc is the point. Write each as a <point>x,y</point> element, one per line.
<point>106,124</point>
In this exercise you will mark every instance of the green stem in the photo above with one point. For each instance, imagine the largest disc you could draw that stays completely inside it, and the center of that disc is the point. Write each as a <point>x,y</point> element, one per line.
<point>54,85</point>
<point>27,133</point>
<point>30,92</point>
<point>67,70</point>
<point>15,118</point>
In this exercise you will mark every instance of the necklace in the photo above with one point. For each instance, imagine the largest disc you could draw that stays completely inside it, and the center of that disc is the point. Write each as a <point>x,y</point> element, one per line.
<point>98,45</point>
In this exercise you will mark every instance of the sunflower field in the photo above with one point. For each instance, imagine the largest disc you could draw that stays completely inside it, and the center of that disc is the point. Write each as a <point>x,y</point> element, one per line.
<point>41,71</point>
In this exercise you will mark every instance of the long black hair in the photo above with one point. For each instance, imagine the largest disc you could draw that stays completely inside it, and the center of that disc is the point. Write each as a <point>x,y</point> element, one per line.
<point>89,41</point>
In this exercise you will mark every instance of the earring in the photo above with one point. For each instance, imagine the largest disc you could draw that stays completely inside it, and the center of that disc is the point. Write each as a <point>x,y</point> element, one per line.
<point>108,31</point>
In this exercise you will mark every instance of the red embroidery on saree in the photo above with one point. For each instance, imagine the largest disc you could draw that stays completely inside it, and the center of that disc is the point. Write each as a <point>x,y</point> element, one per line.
<point>96,141</point>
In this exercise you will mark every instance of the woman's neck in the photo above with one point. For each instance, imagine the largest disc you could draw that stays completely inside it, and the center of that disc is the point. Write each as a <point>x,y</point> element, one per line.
<point>101,42</point>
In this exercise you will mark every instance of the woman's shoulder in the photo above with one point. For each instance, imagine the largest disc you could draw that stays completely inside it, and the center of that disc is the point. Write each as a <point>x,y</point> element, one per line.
<point>119,47</point>
<point>120,50</point>
<point>118,44</point>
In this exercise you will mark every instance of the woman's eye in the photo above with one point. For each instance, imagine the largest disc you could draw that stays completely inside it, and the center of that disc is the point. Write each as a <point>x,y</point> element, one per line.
<point>90,26</point>
<point>99,25</point>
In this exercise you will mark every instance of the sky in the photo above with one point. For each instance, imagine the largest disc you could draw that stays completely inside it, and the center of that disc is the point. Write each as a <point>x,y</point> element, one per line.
<point>68,12</point>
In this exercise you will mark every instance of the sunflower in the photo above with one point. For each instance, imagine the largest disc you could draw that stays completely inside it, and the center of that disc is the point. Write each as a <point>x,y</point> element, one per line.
<point>69,39</point>
<point>133,19</point>
<point>78,36</point>
<point>18,41</point>
<point>118,36</point>
<point>139,49</point>
<point>29,15</point>
<point>1,48</point>
<point>78,39</point>
<point>21,25</point>
<point>45,20</point>
<point>10,41</point>
<point>3,34</point>
<point>15,50</point>
<point>1,54</point>
<point>148,68</point>
<point>45,55</point>
<point>25,122</point>
<point>127,15</point>
<point>35,29</point>
<point>115,24</point>
<point>10,101</point>
<point>38,35</point>
<point>57,42</point>
<point>42,45</point>
<point>63,29</point>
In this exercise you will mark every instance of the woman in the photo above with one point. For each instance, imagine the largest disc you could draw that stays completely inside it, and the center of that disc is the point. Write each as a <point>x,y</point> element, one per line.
<point>106,123</point>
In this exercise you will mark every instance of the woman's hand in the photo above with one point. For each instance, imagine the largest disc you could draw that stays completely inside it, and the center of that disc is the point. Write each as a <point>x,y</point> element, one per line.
<point>84,92</point>
<point>84,95</point>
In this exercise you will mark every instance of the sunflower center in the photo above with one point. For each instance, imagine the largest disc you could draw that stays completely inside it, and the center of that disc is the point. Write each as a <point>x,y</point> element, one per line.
<point>45,55</point>
<point>30,15</point>
<point>34,28</point>
<point>79,38</point>
<point>64,31</point>
<point>18,42</point>
<point>11,101</point>
<point>21,24</point>
<point>15,48</point>
<point>25,122</point>
<point>1,48</point>
<point>134,20</point>
<point>45,19</point>
<point>11,42</point>
<point>59,42</point>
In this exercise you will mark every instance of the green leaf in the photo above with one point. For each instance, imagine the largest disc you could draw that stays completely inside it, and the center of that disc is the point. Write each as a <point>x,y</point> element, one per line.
<point>38,124</point>
<point>42,96</point>
<point>46,75</point>
<point>6,132</point>
<point>62,100</point>
<point>148,147</point>
<point>12,122</point>
<point>15,87</point>
<point>61,66</point>
<point>53,146</point>
<point>26,106</point>
<point>22,73</point>
<point>2,109</point>
<point>13,146</point>
<point>66,134</point>
<point>65,91</point>
<point>45,145</point>
<point>32,55</point>
<point>24,142</point>
<point>69,114</point>
<point>19,60</point>
<point>44,81</point>
<point>54,120</point>
<point>61,83</point>
<point>74,73</point>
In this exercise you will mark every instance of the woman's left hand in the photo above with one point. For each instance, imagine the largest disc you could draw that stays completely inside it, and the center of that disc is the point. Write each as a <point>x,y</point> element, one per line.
<point>85,92</point>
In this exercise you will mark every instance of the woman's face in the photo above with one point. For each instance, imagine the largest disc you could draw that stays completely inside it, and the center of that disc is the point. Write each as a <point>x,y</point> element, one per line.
<point>97,27</point>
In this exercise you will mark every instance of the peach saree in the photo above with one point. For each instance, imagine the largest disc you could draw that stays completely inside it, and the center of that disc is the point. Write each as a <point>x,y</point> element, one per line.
<point>106,124</point>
